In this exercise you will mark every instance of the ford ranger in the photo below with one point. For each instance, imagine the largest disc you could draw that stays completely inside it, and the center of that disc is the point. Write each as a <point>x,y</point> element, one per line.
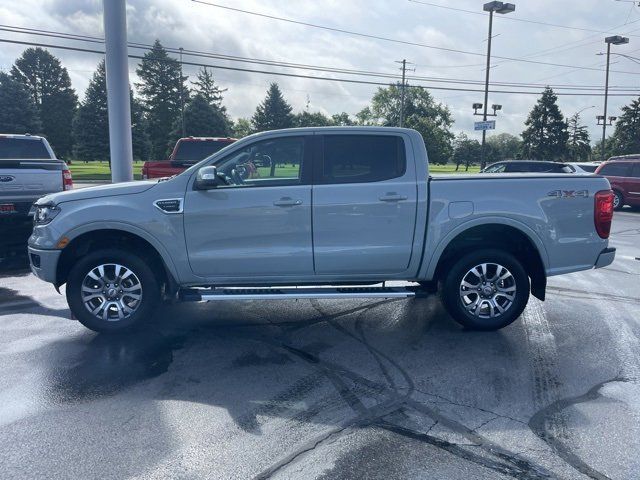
<point>334,212</point>
<point>28,171</point>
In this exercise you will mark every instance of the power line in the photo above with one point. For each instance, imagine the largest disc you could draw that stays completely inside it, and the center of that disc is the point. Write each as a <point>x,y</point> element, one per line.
<point>515,19</point>
<point>394,40</point>
<point>311,77</point>
<point>181,51</point>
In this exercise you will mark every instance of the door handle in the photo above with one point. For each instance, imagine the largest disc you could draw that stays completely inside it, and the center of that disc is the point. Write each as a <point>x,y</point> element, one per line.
<point>392,197</point>
<point>287,202</point>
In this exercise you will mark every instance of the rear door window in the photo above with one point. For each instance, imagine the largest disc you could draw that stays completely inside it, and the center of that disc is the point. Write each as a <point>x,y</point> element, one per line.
<point>362,158</point>
<point>636,170</point>
<point>616,169</point>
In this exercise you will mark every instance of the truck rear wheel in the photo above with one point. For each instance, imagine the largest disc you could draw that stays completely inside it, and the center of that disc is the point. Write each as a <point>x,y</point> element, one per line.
<point>112,290</point>
<point>486,290</point>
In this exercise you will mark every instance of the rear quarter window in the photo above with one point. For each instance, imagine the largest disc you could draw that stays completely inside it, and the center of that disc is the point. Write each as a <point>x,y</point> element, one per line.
<point>362,158</point>
<point>616,169</point>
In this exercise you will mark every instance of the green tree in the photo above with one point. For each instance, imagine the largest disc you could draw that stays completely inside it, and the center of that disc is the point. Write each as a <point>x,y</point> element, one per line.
<point>421,112</point>
<point>626,138</point>
<point>18,113</point>
<point>466,151</point>
<point>206,86</point>
<point>312,119</point>
<point>503,146</point>
<point>578,144</point>
<point>273,113</point>
<point>201,120</point>
<point>242,127</point>
<point>545,137</point>
<point>91,123</point>
<point>49,86</point>
<point>162,88</point>
<point>342,119</point>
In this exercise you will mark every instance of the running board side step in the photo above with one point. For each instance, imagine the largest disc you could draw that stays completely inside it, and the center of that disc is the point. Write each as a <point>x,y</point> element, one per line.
<point>220,294</point>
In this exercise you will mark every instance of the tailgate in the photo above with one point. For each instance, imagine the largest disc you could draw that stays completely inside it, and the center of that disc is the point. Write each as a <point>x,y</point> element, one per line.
<point>27,180</point>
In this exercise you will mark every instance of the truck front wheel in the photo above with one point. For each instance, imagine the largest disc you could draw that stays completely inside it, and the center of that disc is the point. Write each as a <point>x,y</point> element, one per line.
<point>112,290</point>
<point>486,289</point>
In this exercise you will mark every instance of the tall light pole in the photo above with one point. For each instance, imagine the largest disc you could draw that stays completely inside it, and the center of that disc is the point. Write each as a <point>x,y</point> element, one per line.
<point>615,40</point>
<point>118,101</point>
<point>491,7</point>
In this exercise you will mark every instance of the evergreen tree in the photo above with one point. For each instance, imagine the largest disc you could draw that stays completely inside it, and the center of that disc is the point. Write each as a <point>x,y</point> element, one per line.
<point>315,119</point>
<point>91,123</point>
<point>49,85</point>
<point>206,86</point>
<point>242,127</point>
<point>141,144</point>
<point>578,144</point>
<point>421,112</point>
<point>626,138</point>
<point>273,113</point>
<point>162,87</point>
<point>18,113</point>
<point>545,137</point>
<point>201,120</point>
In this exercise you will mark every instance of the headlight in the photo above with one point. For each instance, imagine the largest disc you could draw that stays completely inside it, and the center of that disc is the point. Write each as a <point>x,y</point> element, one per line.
<point>44,214</point>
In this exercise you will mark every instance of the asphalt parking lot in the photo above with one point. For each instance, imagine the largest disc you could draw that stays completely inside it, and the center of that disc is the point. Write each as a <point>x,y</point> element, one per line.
<point>328,389</point>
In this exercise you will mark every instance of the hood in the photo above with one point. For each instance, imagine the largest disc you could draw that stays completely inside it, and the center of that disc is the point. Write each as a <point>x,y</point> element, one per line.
<point>127,188</point>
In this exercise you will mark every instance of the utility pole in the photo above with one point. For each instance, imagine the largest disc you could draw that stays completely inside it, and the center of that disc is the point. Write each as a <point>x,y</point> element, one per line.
<point>181,95</point>
<point>402,87</point>
<point>118,101</point>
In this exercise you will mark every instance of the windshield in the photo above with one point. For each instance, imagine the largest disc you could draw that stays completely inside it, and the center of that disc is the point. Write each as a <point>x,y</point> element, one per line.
<point>196,150</point>
<point>23,148</point>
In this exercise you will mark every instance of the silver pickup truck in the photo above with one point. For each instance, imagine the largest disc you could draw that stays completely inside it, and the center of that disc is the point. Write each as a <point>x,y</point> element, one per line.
<point>28,171</point>
<point>320,213</point>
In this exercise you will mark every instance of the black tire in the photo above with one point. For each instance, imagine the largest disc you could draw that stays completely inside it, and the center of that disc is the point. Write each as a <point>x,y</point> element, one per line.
<point>150,292</point>
<point>619,198</point>
<point>459,271</point>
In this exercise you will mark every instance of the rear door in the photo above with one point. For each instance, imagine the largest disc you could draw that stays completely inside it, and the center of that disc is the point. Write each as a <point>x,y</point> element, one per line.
<point>633,184</point>
<point>364,204</point>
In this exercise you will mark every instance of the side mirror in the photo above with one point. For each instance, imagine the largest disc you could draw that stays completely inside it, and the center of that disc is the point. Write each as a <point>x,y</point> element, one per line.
<point>207,178</point>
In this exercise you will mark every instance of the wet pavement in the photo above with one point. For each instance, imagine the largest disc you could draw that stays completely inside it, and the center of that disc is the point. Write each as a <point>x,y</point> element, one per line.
<point>328,389</point>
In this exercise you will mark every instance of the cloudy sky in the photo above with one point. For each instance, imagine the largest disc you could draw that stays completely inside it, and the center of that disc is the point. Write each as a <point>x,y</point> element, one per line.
<point>411,29</point>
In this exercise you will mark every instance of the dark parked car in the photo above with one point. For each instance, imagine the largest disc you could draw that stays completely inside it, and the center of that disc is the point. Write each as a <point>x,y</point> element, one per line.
<point>525,166</point>
<point>623,174</point>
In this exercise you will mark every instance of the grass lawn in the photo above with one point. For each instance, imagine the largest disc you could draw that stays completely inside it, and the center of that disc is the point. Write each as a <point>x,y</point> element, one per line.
<point>98,171</point>
<point>451,168</point>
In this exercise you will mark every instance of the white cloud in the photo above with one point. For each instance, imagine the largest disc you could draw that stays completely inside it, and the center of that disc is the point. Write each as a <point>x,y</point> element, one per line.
<point>201,27</point>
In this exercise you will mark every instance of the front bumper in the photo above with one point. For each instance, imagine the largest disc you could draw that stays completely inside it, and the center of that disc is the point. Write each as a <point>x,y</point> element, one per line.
<point>44,263</point>
<point>606,257</point>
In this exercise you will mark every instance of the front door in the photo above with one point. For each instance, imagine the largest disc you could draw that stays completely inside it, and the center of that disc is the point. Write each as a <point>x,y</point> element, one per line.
<point>259,224</point>
<point>364,204</point>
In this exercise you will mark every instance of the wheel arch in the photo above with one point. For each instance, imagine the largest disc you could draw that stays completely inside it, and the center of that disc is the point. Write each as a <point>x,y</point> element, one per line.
<point>127,237</point>
<point>516,238</point>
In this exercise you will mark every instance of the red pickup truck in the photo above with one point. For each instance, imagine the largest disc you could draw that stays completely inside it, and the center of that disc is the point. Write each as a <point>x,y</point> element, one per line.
<point>187,151</point>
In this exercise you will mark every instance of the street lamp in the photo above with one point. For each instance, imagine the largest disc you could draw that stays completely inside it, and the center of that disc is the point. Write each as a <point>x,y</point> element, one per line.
<point>615,40</point>
<point>491,7</point>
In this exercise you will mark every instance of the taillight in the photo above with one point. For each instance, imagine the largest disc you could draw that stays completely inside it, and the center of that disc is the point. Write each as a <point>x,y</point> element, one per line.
<point>67,181</point>
<point>603,213</point>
